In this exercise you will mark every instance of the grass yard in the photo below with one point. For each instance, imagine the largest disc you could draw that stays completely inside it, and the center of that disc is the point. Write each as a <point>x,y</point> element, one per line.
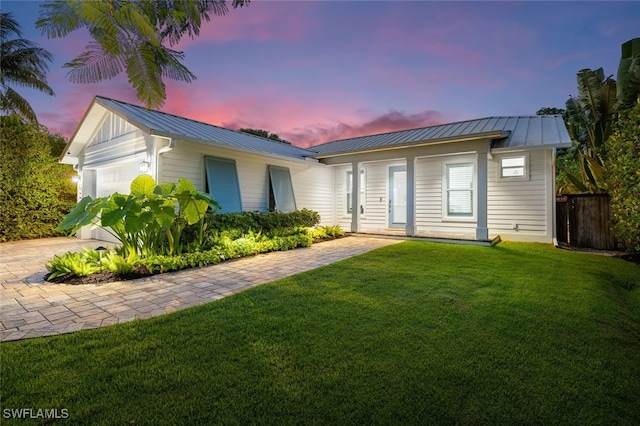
<point>416,333</point>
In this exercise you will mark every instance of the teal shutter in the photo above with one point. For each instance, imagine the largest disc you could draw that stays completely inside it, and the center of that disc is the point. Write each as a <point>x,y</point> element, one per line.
<point>222,180</point>
<point>282,189</point>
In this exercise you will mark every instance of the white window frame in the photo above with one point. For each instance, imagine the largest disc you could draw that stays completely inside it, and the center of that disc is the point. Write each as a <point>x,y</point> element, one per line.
<point>501,169</point>
<point>363,192</point>
<point>446,216</point>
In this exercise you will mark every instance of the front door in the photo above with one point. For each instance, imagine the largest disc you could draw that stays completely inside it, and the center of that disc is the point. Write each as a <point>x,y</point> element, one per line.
<point>397,196</point>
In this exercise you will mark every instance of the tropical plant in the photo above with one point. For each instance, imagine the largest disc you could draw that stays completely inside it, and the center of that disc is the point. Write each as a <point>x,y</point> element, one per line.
<point>588,118</point>
<point>150,220</point>
<point>131,36</point>
<point>71,263</point>
<point>23,63</point>
<point>118,264</point>
<point>35,190</point>
<point>623,177</point>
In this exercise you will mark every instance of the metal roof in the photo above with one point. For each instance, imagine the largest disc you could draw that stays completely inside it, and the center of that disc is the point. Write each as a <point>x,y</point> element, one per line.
<point>527,132</point>
<point>172,126</point>
<point>547,131</point>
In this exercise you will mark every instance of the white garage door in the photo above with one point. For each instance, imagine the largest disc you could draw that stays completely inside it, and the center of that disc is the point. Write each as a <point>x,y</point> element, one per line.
<point>113,179</point>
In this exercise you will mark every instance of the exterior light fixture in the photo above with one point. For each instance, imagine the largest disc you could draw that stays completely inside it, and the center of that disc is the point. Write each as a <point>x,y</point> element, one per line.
<point>75,178</point>
<point>144,166</point>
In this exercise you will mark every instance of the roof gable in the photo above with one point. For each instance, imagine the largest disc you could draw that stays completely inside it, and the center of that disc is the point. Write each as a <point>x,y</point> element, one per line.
<point>172,126</point>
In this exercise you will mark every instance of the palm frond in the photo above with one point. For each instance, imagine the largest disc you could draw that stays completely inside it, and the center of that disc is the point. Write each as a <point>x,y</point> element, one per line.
<point>60,18</point>
<point>172,67</point>
<point>145,75</point>
<point>12,103</point>
<point>94,65</point>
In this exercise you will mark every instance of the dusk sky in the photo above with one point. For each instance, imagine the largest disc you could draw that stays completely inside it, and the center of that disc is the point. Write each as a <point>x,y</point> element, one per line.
<point>315,71</point>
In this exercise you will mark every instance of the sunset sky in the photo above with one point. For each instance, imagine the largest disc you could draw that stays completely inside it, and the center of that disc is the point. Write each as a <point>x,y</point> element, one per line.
<point>314,71</point>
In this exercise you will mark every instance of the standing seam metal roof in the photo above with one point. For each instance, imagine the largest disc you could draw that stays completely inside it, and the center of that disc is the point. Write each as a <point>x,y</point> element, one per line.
<point>164,124</point>
<point>546,131</point>
<point>515,132</point>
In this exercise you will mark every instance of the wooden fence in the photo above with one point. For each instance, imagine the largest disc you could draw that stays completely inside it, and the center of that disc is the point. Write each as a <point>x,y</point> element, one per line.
<point>583,220</point>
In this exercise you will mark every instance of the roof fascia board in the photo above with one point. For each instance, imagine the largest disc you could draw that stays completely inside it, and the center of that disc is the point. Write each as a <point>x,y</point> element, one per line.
<point>478,136</point>
<point>75,133</point>
<point>125,117</point>
<point>215,144</point>
<point>530,148</point>
<point>426,150</point>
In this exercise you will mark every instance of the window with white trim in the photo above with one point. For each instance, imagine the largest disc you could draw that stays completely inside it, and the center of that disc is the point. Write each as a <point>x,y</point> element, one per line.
<point>459,190</point>
<point>349,191</point>
<point>514,167</point>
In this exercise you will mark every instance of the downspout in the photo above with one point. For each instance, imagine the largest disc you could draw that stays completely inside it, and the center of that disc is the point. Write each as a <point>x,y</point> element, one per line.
<point>169,147</point>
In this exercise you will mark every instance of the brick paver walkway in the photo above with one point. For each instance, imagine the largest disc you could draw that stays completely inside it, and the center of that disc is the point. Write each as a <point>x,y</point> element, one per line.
<point>31,307</point>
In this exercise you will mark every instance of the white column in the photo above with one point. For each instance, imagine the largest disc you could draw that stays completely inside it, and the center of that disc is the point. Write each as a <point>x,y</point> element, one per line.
<point>411,196</point>
<point>355,197</point>
<point>482,232</point>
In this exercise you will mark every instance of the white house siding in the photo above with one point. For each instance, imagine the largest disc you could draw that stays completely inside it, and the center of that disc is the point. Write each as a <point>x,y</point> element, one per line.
<point>429,181</point>
<point>522,203</point>
<point>312,182</point>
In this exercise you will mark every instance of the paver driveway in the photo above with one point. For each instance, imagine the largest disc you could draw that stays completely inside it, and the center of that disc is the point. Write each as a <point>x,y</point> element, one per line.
<point>30,307</point>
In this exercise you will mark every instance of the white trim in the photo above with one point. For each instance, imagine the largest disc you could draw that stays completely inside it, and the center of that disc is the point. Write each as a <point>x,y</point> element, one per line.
<point>516,155</point>
<point>474,190</point>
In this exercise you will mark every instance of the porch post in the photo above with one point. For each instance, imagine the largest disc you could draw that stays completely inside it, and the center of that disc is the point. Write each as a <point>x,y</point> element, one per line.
<point>411,196</point>
<point>482,232</point>
<point>355,197</point>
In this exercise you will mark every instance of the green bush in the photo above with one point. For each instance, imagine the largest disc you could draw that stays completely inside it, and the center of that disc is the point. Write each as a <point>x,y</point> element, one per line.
<point>35,190</point>
<point>623,177</point>
<point>262,222</point>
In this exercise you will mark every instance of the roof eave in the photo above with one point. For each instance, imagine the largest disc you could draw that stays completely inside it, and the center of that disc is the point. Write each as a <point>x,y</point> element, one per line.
<point>478,136</point>
<point>229,147</point>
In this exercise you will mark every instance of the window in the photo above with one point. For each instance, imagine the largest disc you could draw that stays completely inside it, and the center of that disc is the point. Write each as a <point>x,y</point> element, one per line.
<point>222,183</point>
<point>350,189</point>
<point>513,167</point>
<point>459,196</point>
<point>281,190</point>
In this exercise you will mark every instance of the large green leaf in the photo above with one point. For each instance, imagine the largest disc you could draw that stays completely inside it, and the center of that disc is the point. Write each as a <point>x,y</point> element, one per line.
<point>82,214</point>
<point>143,185</point>
<point>185,186</point>
<point>194,210</point>
<point>118,208</point>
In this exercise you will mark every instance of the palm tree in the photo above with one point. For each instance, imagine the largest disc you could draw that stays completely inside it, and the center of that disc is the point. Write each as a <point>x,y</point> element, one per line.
<point>131,36</point>
<point>22,63</point>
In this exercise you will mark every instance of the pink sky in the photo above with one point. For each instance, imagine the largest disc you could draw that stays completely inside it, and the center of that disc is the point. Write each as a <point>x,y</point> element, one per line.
<point>316,71</point>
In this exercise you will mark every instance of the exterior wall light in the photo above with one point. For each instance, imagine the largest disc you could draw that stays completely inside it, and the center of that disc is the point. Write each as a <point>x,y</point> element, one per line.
<point>75,178</point>
<point>144,166</point>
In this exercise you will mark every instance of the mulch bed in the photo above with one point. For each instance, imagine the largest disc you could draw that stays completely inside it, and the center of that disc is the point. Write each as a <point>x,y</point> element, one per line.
<point>101,277</point>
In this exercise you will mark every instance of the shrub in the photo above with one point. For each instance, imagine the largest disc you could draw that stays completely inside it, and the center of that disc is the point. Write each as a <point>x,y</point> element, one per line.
<point>623,177</point>
<point>262,222</point>
<point>35,190</point>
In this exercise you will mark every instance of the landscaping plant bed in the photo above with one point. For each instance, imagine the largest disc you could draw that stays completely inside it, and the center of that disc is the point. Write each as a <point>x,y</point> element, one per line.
<point>101,277</point>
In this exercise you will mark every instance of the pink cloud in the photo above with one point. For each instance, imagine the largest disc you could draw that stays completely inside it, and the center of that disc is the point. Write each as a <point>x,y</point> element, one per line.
<point>389,122</point>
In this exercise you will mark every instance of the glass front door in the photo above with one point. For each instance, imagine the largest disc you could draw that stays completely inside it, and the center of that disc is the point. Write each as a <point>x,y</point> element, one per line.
<point>397,196</point>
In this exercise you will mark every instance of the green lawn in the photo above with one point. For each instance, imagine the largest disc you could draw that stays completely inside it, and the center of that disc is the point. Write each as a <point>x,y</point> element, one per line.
<point>415,333</point>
